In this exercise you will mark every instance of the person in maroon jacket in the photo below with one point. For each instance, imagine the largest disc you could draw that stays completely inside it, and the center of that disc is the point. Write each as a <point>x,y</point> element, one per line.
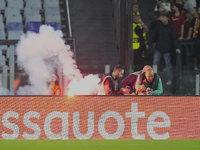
<point>129,82</point>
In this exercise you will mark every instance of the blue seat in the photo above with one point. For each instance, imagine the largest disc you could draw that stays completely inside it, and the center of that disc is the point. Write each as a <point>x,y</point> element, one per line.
<point>2,5</point>
<point>33,26</point>
<point>56,25</point>
<point>14,26</point>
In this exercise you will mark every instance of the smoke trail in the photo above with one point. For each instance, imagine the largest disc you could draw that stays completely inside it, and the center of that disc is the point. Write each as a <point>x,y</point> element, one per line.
<point>4,91</point>
<point>40,54</point>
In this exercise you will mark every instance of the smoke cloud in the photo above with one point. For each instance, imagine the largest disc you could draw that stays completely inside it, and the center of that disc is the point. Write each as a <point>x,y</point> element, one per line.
<point>40,54</point>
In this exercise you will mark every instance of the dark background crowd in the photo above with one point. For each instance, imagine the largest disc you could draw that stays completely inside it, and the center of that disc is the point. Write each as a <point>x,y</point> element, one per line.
<point>172,37</point>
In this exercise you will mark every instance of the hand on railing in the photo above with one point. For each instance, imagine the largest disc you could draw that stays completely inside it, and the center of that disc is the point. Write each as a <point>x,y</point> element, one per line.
<point>180,38</point>
<point>178,51</point>
<point>188,38</point>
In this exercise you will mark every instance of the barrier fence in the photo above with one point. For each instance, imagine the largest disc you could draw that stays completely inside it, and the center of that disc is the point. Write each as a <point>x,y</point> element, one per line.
<point>100,117</point>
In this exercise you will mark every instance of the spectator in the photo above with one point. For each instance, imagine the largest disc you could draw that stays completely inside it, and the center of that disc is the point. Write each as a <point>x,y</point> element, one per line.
<point>110,83</point>
<point>139,42</point>
<point>165,3</point>
<point>136,9</point>
<point>129,82</point>
<point>178,20</point>
<point>157,15</point>
<point>189,4</point>
<point>151,80</point>
<point>165,37</point>
<point>194,31</point>
<point>54,85</point>
<point>184,12</point>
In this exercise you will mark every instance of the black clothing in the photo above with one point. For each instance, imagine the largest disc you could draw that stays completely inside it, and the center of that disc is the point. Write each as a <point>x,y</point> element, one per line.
<point>165,37</point>
<point>153,84</point>
<point>153,25</point>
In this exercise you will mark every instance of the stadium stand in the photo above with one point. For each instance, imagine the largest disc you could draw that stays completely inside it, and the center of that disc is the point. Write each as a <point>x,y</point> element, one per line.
<point>11,11</point>
<point>34,3</point>
<point>15,3</point>
<point>52,17</point>
<point>51,3</point>
<point>2,5</point>
<point>14,26</point>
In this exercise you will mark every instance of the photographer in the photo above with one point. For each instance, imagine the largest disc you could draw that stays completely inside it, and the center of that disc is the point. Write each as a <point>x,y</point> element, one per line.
<point>149,83</point>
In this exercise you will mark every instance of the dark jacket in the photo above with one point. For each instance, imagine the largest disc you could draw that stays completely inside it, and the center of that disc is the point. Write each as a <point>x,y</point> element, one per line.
<point>165,37</point>
<point>153,84</point>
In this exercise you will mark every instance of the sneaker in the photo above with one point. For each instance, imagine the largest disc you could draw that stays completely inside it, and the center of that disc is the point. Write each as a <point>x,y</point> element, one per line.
<point>195,68</point>
<point>169,83</point>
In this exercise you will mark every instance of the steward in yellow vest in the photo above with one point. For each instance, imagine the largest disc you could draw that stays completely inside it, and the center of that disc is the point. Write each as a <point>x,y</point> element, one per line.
<point>139,40</point>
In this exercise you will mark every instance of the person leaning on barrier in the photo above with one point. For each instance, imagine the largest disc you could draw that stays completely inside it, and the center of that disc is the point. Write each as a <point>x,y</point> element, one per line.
<point>129,82</point>
<point>148,83</point>
<point>110,83</point>
<point>54,85</point>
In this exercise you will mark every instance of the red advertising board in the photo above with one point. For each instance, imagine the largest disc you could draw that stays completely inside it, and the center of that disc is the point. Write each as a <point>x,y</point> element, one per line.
<point>100,117</point>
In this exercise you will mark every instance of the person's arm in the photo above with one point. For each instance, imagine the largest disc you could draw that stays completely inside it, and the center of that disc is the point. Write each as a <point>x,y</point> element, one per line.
<point>175,40</point>
<point>57,92</point>
<point>138,84</point>
<point>159,90</point>
<point>128,81</point>
<point>192,22</point>
<point>162,6</point>
<point>182,32</point>
<point>182,27</point>
<point>190,33</point>
<point>145,28</point>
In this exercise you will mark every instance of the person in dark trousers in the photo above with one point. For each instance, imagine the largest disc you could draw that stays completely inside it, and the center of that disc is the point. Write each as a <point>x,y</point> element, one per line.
<point>166,39</point>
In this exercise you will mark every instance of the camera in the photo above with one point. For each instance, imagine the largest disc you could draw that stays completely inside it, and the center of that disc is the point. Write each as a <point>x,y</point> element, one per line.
<point>148,91</point>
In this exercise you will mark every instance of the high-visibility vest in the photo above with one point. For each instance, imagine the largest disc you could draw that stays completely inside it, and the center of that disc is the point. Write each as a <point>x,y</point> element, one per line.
<point>144,33</point>
<point>136,43</point>
<point>137,13</point>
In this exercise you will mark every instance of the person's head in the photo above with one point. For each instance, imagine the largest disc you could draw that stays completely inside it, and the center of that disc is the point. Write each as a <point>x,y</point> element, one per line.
<point>157,15</point>
<point>145,68</point>
<point>135,7</point>
<point>180,2</point>
<point>198,11</point>
<point>149,74</point>
<point>135,1</point>
<point>194,11</point>
<point>164,17</point>
<point>118,72</point>
<point>136,18</point>
<point>176,7</point>
<point>54,78</point>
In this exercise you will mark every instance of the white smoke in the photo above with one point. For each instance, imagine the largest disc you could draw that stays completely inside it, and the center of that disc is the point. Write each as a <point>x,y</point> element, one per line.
<point>39,55</point>
<point>4,91</point>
